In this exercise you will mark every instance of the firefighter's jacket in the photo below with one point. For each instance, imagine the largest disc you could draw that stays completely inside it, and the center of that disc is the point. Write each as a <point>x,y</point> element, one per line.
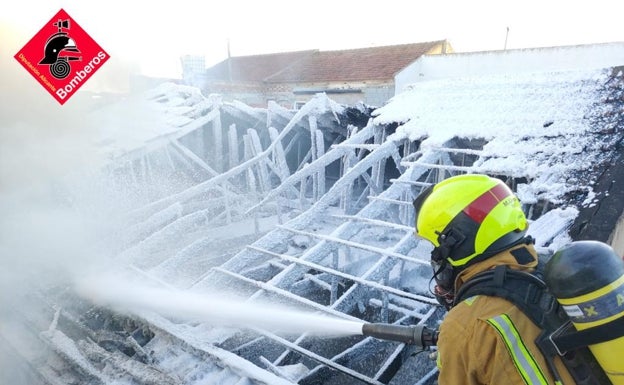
<point>488,340</point>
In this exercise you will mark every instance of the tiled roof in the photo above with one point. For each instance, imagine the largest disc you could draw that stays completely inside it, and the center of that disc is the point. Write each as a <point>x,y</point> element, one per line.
<point>255,68</point>
<point>373,63</point>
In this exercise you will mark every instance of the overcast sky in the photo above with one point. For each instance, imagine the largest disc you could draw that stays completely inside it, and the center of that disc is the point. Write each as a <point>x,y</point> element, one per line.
<point>149,37</point>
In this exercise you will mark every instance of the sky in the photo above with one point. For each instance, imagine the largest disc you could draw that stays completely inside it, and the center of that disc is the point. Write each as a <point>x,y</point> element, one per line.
<point>149,38</point>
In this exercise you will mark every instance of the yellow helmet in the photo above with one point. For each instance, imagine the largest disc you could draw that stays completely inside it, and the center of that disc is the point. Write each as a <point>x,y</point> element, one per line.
<point>469,218</point>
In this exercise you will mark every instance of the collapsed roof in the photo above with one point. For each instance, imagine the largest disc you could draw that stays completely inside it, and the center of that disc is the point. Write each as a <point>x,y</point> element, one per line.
<point>313,209</point>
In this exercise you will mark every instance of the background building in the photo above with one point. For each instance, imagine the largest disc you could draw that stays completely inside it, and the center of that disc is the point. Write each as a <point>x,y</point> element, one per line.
<point>292,78</point>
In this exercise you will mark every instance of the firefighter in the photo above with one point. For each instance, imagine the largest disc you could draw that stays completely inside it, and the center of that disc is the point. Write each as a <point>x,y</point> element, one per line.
<point>475,224</point>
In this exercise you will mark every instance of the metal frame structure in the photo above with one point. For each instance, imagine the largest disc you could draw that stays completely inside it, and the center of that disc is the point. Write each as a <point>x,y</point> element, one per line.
<point>345,248</point>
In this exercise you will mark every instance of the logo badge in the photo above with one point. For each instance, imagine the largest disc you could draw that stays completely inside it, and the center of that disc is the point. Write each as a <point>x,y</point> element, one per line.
<point>62,56</point>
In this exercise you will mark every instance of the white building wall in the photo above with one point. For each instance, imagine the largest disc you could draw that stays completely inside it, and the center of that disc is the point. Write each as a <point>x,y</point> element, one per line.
<point>431,67</point>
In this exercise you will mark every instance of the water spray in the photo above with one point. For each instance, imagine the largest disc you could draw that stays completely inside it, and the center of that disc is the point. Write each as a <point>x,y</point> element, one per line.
<point>213,308</point>
<point>219,310</point>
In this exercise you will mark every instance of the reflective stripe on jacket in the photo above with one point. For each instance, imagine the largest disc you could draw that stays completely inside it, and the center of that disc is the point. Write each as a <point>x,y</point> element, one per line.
<point>522,358</point>
<point>488,340</point>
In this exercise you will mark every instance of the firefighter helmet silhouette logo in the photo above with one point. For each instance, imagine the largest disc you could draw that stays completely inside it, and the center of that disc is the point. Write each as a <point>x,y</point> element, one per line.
<point>61,56</point>
<point>59,49</point>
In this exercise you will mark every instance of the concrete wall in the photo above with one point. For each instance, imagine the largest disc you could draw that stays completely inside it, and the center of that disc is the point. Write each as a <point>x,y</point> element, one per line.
<point>430,67</point>
<point>377,96</point>
<point>370,93</point>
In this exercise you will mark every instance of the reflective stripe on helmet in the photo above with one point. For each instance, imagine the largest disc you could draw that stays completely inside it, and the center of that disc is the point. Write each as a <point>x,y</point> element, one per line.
<point>528,368</point>
<point>481,207</point>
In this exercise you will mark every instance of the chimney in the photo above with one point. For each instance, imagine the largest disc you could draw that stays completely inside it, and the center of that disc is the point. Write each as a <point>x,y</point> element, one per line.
<point>229,61</point>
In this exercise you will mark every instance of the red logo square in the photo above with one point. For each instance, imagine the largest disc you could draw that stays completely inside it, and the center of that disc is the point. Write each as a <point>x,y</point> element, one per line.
<point>62,56</point>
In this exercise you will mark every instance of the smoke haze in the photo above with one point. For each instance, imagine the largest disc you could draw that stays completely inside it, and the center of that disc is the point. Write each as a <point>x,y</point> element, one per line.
<point>53,215</point>
<point>42,146</point>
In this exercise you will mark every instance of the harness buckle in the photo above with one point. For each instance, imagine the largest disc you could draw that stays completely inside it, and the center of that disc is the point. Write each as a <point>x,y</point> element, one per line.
<point>561,330</point>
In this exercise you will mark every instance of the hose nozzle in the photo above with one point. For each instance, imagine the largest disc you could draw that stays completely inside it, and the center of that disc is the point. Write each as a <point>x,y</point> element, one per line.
<point>411,335</point>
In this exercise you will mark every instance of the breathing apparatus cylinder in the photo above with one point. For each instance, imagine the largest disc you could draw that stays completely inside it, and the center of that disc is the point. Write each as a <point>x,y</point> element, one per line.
<point>587,278</point>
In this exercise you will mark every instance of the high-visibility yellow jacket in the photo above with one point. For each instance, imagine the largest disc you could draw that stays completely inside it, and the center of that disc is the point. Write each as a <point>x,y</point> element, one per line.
<point>488,340</point>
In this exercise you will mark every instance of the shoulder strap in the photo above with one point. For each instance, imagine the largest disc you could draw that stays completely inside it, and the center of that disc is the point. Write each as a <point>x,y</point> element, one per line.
<point>525,290</point>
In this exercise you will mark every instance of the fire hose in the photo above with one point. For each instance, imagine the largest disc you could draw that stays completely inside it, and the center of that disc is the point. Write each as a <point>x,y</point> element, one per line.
<point>411,335</point>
